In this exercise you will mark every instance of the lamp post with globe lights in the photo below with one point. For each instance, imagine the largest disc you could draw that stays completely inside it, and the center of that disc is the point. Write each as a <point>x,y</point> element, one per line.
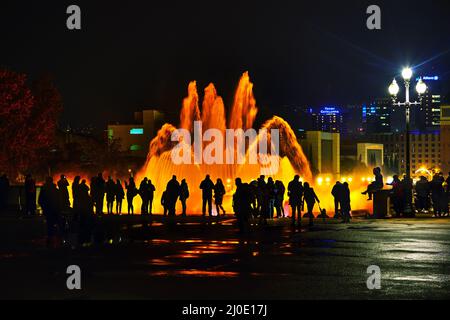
<point>394,89</point>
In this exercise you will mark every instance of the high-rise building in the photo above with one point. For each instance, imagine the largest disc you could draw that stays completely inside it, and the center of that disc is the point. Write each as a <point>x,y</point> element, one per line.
<point>426,116</point>
<point>445,138</point>
<point>377,116</point>
<point>328,119</point>
<point>353,117</point>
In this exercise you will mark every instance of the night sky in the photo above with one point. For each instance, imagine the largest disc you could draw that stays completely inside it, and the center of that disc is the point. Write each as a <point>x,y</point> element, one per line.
<point>135,54</point>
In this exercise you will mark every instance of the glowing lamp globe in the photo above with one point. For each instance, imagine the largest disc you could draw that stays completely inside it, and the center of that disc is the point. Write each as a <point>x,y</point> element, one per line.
<point>394,88</point>
<point>407,73</point>
<point>421,87</point>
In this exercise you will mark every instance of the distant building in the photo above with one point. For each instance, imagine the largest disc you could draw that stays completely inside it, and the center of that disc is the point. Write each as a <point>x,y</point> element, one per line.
<point>425,151</point>
<point>353,117</point>
<point>370,154</point>
<point>377,116</point>
<point>356,152</point>
<point>445,138</point>
<point>135,138</point>
<point>328,119</point>
<point>323,151</point>
<point>427,115</point>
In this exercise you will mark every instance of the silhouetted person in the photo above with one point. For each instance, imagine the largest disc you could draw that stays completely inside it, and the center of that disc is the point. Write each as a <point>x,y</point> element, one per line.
<point>131,193</point>
<point>30,196</point>
<point>120,195</point>
<point>337,193</point>
<point>448,183</point>
<point>423,194</point>
<point>184,195</point>
<point>4,191</point>
<point>219,192</point>
<point>100,193</point>
<point>207,187</point>
<point>310,199</point>
<point>173,192</point>
<point>407,186</point>
<point>143,192</point>
<point>164,202</point>
<point>279,197</point>
<point>437,192</point>
<point>85,210</point>
<point>260,190</point>
<point>93,192</point>
<point>50,202</point>
<point>151,192</point>
<point>345,203</point>
<point>110,189</point>
<point>271,195</point>
<point>295,194</point>
<point>398,196</point>
<point>242,204</point>
<point>447,192</point>
<point>253,186</point>
<point>444,199</point>
<point>265,197</point>
<point>75,192</point>
<point>63,186</point>
<point>376,185</point>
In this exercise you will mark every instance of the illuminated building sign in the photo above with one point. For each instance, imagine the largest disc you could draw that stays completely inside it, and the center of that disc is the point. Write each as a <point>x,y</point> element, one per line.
<point>329,111</point>
<point>137,131</point>
<point>428,78</point>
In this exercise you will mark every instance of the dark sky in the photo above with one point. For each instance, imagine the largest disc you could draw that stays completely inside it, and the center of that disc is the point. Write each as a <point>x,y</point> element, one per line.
<point>131,54</point>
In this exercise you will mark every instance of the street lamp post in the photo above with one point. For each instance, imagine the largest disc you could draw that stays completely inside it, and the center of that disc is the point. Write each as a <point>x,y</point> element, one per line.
<point>393,90</point>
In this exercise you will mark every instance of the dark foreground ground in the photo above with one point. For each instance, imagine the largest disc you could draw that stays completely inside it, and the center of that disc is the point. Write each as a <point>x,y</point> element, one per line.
<point>194,260</point>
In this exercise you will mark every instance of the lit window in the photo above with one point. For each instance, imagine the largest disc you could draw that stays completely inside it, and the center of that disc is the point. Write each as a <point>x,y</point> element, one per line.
<point>137,131</point>
<point>135,147</point>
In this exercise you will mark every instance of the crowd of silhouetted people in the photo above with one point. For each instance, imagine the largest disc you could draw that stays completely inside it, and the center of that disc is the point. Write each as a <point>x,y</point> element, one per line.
<point>260,199</point>
<point>428,195</point>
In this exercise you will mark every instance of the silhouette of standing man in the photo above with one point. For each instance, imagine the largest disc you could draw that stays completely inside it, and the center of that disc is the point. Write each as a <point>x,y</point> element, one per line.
<point>337,193</point>
<point>151,192</point>
<point>63,186</point>
<point>295,194</point>
<point>131,193</point>
<point>207,187</point>
<point>184,194</point>
<point>110,189</point>
<point>143,192</point>
<point>50,202</point>
<point>172,194</point>
<point>100,193</point>
<point>120,195</point>
<point>242,204</point>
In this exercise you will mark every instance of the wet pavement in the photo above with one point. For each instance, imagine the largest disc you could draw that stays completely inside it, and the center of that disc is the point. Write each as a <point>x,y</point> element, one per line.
<point>191,259</point>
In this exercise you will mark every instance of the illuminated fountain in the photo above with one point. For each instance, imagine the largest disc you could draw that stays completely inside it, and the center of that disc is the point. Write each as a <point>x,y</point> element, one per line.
<point>160,167</point>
